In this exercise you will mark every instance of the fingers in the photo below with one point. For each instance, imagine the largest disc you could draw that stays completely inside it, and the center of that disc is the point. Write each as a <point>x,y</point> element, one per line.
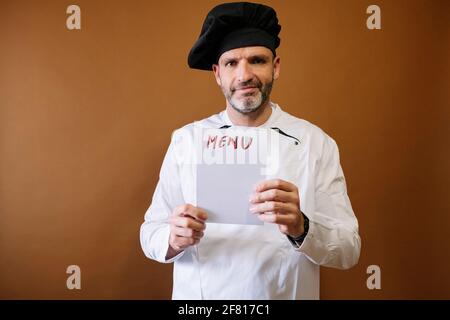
<point>181,238</point>
<point>187,225</point>
<point>181,243</point>
<point>274,206</point>
<point>187,233</point>
<point>275,184</point>
<point>274,195</point>
<point>188,216</point>
<point>277,201</point>
<point>190,210</point>
<point>281,219</point>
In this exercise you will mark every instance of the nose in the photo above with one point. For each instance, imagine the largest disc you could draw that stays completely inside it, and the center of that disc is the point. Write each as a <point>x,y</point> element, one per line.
<point>244,72</point>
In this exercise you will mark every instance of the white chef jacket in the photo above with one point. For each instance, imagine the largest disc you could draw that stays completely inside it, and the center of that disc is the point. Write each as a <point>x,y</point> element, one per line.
<point>251,261</point>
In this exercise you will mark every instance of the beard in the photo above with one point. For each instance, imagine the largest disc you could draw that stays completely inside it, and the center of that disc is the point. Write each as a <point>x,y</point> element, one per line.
<point>248,102</point>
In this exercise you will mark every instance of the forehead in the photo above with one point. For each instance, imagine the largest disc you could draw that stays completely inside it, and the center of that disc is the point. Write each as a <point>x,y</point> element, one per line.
<point>246,52</point>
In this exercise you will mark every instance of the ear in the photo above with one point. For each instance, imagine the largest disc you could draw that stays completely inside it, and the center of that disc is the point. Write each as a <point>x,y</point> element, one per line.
<point>216,70</point>
<point>276,67</point>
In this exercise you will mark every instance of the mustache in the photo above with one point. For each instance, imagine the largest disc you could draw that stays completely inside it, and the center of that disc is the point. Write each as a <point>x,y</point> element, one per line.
<point>254,84</point>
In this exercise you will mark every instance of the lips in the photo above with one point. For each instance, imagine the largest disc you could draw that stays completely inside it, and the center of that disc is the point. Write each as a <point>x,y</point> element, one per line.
<point>247,89</point>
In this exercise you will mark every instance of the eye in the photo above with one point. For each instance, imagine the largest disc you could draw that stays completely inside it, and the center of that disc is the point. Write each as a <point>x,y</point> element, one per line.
<point>258,61</point>
<point>230,63</point>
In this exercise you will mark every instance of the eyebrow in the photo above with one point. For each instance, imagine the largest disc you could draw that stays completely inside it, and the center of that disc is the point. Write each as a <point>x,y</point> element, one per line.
<point>226,60</point>
<point>252,57</point>
<point>259,56</point>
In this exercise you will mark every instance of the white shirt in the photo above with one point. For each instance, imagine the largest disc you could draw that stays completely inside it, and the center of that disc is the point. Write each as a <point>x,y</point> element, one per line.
<point>258,262</point>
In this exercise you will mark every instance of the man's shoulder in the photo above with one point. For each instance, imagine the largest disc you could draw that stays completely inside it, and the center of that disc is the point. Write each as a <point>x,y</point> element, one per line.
<point>303,127</point>
<point>314,138</point>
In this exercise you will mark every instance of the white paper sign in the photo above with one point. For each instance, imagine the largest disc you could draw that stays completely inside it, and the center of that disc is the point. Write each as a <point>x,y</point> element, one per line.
<point>230,163</point>
<point>224,190</point>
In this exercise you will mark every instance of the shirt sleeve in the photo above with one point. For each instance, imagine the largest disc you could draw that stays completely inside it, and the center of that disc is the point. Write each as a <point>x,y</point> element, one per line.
<point>332,239</point>
<point>155,231</point>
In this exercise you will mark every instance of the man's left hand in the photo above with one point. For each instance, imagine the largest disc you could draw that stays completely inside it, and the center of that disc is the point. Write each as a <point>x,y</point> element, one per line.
<point>277,201</point>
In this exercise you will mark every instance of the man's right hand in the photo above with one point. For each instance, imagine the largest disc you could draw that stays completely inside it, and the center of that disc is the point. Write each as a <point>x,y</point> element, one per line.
<point>186,228</point>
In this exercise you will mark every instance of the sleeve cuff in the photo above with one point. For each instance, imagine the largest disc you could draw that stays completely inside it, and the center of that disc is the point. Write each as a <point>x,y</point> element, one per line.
<point>297,242</point>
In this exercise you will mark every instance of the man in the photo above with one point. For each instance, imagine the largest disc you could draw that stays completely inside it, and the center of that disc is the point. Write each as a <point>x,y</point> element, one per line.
<point>307,215</point>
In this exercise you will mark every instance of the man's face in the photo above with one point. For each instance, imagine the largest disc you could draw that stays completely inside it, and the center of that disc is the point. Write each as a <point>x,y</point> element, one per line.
<point>246,76</point>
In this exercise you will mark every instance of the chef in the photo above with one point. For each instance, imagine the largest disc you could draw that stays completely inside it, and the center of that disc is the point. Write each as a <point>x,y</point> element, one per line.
<point>307,218</point>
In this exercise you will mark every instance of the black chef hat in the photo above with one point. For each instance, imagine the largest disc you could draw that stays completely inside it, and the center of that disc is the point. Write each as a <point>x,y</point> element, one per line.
<point>234,25</point>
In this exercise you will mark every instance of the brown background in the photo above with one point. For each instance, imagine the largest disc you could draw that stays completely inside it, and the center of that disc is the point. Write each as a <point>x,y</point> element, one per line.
<point>86,117</point>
